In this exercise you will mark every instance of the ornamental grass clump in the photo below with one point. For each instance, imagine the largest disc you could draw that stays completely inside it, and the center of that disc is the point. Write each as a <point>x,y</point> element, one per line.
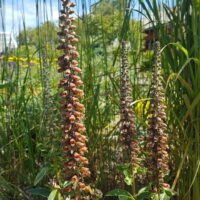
<point>157,141</point>
<point>74,140</point>
<point>127,127</point>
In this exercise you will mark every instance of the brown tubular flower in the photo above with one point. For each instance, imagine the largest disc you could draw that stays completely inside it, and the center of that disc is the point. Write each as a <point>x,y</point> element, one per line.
<point>74,140</point>
<point>157,141</point>
<point>127,127</point>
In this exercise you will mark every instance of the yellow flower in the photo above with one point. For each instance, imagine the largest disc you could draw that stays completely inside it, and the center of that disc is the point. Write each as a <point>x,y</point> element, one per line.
<point>25,65</point>
<point>10,59</point>
<point>142,107</point>
<point>23,59</point>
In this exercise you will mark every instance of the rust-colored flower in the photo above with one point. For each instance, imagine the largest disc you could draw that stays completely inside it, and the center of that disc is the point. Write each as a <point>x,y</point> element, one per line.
<point>127,128</point>
<point>157,141</point>
<point>74,140</point>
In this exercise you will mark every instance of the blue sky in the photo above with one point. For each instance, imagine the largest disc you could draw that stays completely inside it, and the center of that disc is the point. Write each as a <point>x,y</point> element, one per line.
<point>15,12</point>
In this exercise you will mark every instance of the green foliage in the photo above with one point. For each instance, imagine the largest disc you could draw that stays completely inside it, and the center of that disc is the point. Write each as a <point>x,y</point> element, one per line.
<point>45,33</point>
<point>54,195</point>
<point>39,191</point>
<point>27,148</point>
<point>127,171</point>
<point>121,194</point>
<point>41,174</point>
<point>105,19</point>
<point>143,194</point>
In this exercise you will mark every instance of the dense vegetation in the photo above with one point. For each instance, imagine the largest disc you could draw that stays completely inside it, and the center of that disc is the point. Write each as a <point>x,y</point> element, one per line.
<point>134,99</point>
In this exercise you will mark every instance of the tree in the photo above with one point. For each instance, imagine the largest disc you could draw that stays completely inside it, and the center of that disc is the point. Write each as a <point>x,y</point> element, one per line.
<point>46,33</point>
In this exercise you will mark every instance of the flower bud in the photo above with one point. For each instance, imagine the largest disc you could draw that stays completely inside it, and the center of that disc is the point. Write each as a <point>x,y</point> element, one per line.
<point>72,142</point>
<point>76,69</point>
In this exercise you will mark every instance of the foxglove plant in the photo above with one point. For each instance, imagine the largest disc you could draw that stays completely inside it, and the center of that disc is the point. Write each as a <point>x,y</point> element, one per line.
<point>74,140</point>
<point>157,141</point>
<point>48,101</point>
<point>127,127</point>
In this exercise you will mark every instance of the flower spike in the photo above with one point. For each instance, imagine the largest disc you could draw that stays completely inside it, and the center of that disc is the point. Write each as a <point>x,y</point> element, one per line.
<point>127,128</point>
<point>157,141</point>
<point>74,140</point>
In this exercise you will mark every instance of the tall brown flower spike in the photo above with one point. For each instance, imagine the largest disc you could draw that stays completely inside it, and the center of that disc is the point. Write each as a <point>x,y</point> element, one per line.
<point>157,142</point>
<point>127,128</point>
<point>74,140</point>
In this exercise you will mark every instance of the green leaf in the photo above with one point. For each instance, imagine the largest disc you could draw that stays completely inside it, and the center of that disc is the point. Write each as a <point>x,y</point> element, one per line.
<point>128,180</point>
<point>39,191</point>
<point>5,184</point>
<point>165,197</point>
<point>162,196</point>
<point>183,49</point>
<point>144,194</point>
<point>123,167</point>
<point>43,172</point>
<point>179,46</point>
<point>125,198</point>
<point>66,184</point>
<point>5,84</point>
<point>191,108</point>
<point>169,192</point>
<point>118,192</point>
<point>127,171</point>
<point>53,195</point>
